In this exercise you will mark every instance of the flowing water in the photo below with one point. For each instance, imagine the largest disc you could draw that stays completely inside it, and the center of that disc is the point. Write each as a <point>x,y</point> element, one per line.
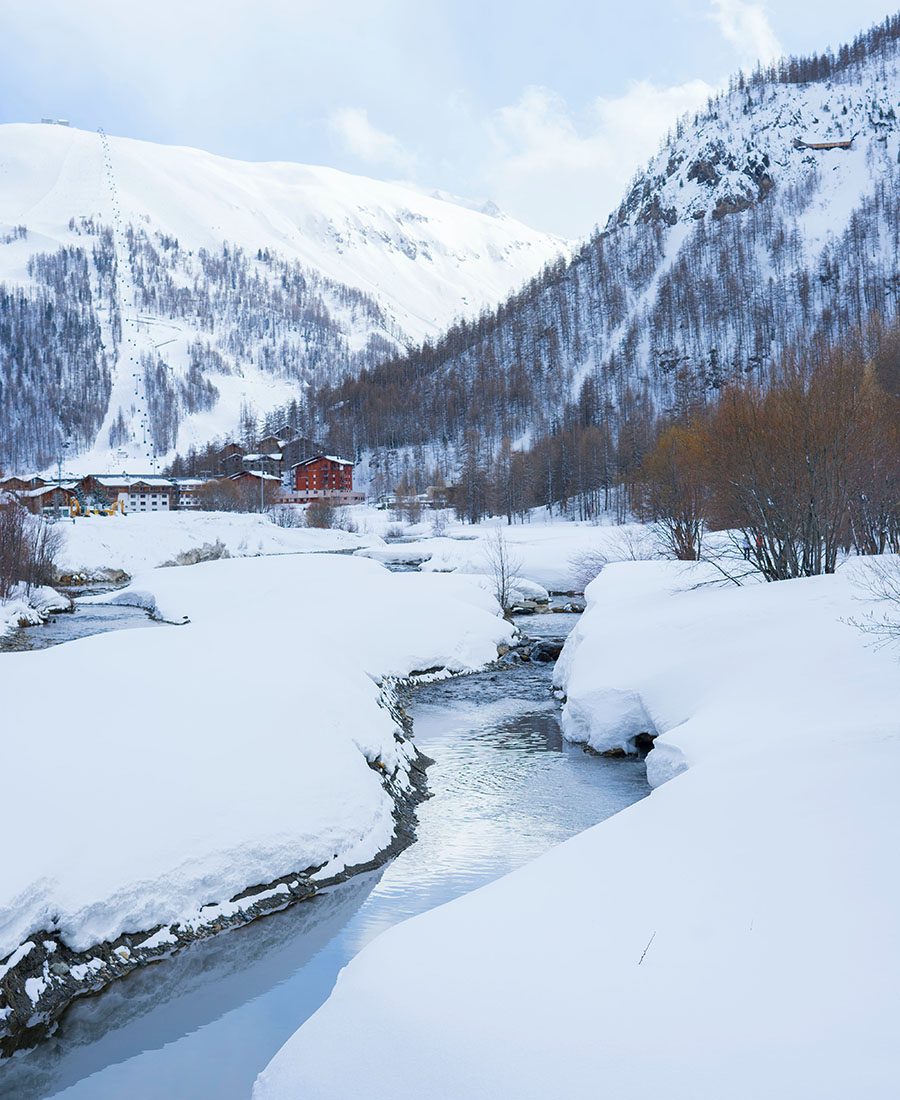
<point>202,1025</point>
<point>86,619</point>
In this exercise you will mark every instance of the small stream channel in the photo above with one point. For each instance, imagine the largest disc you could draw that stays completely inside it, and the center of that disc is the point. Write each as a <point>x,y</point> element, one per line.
<point>65,626</point>
<point>506,787</point>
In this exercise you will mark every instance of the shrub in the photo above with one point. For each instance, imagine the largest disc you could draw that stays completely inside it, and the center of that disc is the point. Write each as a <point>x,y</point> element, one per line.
<point>321,514</point>
<point>286,515</point>
<point>29,546</point>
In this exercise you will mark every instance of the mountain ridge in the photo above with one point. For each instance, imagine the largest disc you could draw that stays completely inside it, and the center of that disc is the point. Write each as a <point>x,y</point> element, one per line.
<point>731,247</point>
<point>349,267</point>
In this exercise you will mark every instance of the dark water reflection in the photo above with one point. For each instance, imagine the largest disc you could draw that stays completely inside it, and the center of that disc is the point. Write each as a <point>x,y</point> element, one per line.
<point>85,620</point>
<point>506,788</point>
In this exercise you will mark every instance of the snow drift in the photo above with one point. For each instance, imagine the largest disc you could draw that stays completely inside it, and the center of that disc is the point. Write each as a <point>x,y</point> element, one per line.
<point>732,935</point>
<point>183,765</point>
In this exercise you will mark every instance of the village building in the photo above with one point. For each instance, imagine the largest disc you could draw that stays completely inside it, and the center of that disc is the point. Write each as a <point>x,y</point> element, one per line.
<point>268,463</point>
<point>128,492</point>
<point>22,484</point>
<point>49,500</point>
<point>148,494</point>
<point>231,459</point>
<point>187,491</point>
<point>271,444</point>
<point>324,477</point>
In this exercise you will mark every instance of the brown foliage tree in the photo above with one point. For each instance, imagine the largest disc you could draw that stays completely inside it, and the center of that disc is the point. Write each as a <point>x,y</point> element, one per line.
<point>675,491</point>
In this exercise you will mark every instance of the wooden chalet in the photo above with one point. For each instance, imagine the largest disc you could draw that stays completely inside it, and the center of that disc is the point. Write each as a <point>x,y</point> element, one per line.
<point>22,484</point>
<point>49,499</point>
<point>842,143</point>
<point>271,444</point>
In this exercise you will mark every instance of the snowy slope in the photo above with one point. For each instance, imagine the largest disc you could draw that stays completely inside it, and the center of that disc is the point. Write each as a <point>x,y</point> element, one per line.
<point>736,242</point>
<point>413,261</point>
<point>426,259</point>
<point>733,935</point>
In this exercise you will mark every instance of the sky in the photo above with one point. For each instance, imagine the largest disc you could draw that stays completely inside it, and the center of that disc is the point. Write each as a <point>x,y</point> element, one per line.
<point>547,109</point>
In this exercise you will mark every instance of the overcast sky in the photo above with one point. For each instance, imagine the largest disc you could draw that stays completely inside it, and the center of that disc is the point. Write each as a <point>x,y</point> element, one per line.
<point>546,107</point>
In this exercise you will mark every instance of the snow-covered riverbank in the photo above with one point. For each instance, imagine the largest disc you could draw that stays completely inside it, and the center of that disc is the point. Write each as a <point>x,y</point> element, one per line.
<point>552,552</point>
<point>99,545</point>
<point>30,607</point>
<point>732,935</point>
<point>183,766</point>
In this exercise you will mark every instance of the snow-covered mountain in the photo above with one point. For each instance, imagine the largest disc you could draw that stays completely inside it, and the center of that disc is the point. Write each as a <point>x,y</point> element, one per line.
<point>150,290</point>
<point>756,228</point>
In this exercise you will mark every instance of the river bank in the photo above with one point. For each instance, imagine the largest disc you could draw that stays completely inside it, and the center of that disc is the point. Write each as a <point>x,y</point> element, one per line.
<point>41,980</point>
<point>205,793</point>
<point>735,934</point>
<point>504,787</point>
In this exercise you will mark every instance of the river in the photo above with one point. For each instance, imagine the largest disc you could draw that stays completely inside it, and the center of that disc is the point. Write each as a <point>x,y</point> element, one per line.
<point>506,787</point>
<point>65,626</point>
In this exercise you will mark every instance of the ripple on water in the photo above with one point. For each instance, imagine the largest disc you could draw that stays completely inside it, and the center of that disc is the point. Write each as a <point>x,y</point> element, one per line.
<point>506,787</point>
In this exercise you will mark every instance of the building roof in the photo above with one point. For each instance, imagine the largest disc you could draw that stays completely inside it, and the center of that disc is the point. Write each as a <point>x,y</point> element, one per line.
<point>125,481</point>
<point>23,478</point>
<point>328,458</point>
<point>46,489</point>
<point>255,473</point>
<point>111,482</point>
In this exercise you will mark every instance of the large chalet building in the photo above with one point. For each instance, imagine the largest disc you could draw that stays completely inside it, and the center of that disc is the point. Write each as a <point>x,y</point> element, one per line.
<point>324,477</point>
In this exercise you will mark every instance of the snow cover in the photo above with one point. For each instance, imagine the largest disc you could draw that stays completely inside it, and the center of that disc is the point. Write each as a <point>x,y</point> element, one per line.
<point>143,540</point>
<point>17,611</point>
<point>423,259</point>
<point>547,551</point>
<point>427,258</point>
<point>733,935</point>
<point>31,607</point>
<point>190,762</point>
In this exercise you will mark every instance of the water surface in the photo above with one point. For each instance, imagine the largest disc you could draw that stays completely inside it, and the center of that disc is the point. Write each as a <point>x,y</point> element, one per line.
<point>85,620</point>
<point>203,1025</point>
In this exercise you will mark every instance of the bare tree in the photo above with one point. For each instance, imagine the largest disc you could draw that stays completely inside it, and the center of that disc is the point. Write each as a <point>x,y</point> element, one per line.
<point>29,546</point>
<point>586,566</point>
<point>504,569</point>
<point>286,515</point>
<point>675,492</point>
<point>881,583</point>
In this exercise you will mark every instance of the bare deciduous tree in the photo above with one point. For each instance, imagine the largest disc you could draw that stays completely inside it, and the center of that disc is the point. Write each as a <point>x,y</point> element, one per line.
<point>881,583</point>
<point>29,546</point>
<point>504,568</point>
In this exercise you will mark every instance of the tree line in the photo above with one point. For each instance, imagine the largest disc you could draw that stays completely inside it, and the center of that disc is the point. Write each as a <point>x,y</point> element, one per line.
<point>806,469</point>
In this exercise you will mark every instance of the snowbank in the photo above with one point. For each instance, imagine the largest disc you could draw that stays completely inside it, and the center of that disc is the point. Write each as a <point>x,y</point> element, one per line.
<point>30,608</point>
<point>185,764</point>
<point>142,541</point>
<point>548,553</point>
<point>718,669</point>
<point>733,935</point>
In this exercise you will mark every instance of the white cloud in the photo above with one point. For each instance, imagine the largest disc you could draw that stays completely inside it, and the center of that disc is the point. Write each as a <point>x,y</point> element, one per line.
<point>361,139</point>
<point>544,159</point>
<point>746,26</point>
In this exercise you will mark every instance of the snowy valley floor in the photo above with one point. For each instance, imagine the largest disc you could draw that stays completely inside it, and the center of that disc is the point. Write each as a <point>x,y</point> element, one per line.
<point>733,935</point>
<point>183,765</point>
